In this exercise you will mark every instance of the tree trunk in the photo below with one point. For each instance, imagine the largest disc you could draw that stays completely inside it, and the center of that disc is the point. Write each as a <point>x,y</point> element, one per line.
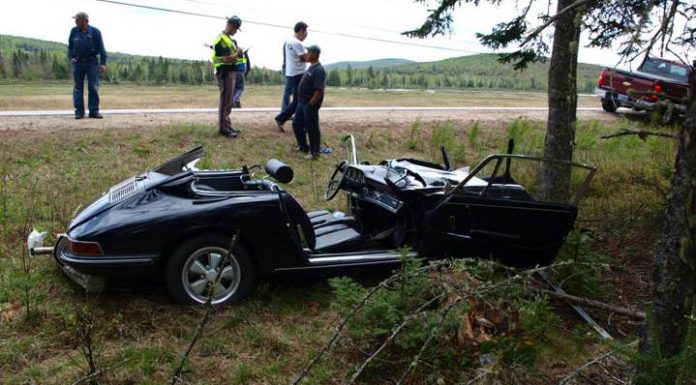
<point>675,260</point>
<point>560,126</point>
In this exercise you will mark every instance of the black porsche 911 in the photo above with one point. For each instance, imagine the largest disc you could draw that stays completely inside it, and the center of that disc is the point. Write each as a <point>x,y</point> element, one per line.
<point>176,222</point>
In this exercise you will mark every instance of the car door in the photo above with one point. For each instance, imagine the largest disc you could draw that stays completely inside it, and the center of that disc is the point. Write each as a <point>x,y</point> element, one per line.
<point>491,212</point>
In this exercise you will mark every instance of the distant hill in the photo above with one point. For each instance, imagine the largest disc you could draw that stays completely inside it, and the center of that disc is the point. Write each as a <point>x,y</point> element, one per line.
<point>32,59</point>
<point>375,64</point>
<point>475,71</point>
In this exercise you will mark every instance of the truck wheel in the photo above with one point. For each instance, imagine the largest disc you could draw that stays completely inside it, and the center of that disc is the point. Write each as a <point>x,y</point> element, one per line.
<point>608,105</point>
<point>667,115</point>
<point>193,268</point>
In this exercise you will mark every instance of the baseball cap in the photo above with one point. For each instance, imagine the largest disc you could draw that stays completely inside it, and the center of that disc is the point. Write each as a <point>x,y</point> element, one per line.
<point>236,21</point>
<point>81,15</point>
<point>314,49</point>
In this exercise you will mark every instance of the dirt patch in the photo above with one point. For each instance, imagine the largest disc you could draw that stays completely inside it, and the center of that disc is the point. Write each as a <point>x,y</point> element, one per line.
<point>339,120</point>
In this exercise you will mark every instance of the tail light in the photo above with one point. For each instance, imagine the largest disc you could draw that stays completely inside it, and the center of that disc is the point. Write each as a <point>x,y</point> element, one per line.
<point>601,79</point>
<point>84,248</point>
<point>658,89</point>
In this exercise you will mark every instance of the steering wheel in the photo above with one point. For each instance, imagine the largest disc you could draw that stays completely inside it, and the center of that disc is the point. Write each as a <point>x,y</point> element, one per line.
<point>336,181</point>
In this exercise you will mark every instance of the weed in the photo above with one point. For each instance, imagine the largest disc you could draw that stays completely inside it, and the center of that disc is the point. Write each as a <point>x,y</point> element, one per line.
<point>414,141</point>
<point>443,136</point>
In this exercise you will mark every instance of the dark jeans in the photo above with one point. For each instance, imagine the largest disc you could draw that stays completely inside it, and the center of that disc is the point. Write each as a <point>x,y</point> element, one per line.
<point>287,91</point>
<point>306,122</point>
<point>291,82</point>
<point>80,70</point>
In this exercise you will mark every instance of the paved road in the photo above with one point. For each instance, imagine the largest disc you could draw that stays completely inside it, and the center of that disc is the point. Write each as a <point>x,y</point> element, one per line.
<point>275,109</point>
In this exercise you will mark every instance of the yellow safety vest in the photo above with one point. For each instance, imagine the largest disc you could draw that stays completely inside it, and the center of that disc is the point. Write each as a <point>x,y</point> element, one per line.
<point>230,49</point>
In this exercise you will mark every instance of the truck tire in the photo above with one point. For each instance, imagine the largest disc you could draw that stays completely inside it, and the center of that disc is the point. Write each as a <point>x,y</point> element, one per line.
<point>608,105</point>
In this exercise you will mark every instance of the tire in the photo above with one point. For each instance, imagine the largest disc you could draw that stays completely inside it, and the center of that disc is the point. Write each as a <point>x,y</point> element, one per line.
<point>190,271</point>
<point>667,115</point>
<point>608,105</point>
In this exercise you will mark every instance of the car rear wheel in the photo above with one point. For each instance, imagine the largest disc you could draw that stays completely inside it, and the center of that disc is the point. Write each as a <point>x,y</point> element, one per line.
<point>193,269</point>
<point>609,105</point>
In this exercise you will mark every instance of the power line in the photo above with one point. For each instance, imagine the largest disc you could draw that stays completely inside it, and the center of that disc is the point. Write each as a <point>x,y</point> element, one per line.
<point>256,10</point>
<point>346,35</point>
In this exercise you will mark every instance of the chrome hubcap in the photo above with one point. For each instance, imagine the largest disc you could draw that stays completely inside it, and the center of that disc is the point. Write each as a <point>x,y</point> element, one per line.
<point>201,271</point>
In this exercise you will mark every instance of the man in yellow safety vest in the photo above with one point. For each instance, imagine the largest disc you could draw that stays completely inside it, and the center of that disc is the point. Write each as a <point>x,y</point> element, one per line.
<point>225,55</point>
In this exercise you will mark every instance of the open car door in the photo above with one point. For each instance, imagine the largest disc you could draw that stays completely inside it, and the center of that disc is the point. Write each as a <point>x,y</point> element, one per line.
<point>500,209</point>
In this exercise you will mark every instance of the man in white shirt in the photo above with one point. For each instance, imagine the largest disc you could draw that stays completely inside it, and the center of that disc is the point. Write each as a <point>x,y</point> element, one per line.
<point>293,66</point>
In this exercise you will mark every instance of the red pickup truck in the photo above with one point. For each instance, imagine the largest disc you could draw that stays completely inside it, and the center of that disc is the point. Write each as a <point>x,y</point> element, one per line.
<point>657,84</point>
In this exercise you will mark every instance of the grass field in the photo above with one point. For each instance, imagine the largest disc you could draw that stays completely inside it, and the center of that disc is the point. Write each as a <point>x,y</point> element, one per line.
<point>59,96</point>
<point>267,340</point>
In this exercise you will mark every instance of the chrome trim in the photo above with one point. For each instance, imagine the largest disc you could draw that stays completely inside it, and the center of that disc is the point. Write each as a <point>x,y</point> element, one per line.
<point>101,261</point>
<point>123,190</point>
<point>322,259</point>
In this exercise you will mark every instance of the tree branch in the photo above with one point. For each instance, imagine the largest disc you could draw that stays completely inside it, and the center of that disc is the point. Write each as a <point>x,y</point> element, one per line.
<point>355,309</point>
<point>393,335</point>
<point>642,134</point>
<point>593,303</point>
<point>100,372</point>
<point>553,19</point>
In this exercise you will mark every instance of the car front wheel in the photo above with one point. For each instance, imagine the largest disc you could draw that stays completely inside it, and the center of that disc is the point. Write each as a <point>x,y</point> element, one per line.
<point>192,272</point>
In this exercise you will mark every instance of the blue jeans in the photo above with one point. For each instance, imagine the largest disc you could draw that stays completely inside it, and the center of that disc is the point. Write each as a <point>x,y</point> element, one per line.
<point>238,88</point>
<point>80,70</point>
<point>306,123</point>
<point>292,83</point>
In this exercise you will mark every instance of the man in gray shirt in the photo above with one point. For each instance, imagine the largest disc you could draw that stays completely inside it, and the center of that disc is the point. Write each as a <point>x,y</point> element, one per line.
<point>293,66</point>
<point>310,97</point>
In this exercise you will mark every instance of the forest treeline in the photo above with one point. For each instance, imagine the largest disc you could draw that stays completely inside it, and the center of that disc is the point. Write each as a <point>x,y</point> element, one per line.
<point>23,59</point>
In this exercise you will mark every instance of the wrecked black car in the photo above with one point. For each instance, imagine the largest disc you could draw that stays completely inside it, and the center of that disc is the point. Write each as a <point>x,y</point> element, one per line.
<point>176,222</point>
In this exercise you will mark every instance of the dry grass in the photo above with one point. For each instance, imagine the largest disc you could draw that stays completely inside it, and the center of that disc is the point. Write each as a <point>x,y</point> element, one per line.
<point>59,96</point>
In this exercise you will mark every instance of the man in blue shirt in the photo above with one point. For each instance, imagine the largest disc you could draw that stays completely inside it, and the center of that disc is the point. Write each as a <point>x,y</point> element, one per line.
<point>84,44</point>
<point>310,94</point>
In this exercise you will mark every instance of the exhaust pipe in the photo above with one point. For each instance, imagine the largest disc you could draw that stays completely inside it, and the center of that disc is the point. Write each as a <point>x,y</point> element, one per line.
<point>42,250</point>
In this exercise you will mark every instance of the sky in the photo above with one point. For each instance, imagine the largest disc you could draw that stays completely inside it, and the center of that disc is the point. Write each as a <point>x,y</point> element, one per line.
<point>149,32</point>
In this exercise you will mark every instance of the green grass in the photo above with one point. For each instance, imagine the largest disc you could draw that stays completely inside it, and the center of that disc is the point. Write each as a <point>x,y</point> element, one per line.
<point>45,179</point>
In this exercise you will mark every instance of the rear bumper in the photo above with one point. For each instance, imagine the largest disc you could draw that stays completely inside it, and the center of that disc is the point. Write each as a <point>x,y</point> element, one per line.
<point>622,100</point>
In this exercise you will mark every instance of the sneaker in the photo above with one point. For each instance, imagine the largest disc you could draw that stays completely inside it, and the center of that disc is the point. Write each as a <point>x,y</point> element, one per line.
<point>230,134</point>
<point>79,116</point>
<point>96,116</point>
<point>311,156</point>
<point>279,125</point>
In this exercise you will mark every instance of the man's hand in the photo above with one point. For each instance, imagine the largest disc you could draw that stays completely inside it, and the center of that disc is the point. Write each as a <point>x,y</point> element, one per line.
<point>73,60</point>
<point>102,68</point>
<point>228,59</point>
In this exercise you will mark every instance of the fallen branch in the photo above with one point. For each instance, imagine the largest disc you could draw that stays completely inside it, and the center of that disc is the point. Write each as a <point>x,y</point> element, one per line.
<point>642,134</point>
<point>393,335</point>
<point>208,308</point>
<point>427,342</point>
<point>586,365</point>
<point>593,303</point>
<point>100,372</point>
<point>357,307</point>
